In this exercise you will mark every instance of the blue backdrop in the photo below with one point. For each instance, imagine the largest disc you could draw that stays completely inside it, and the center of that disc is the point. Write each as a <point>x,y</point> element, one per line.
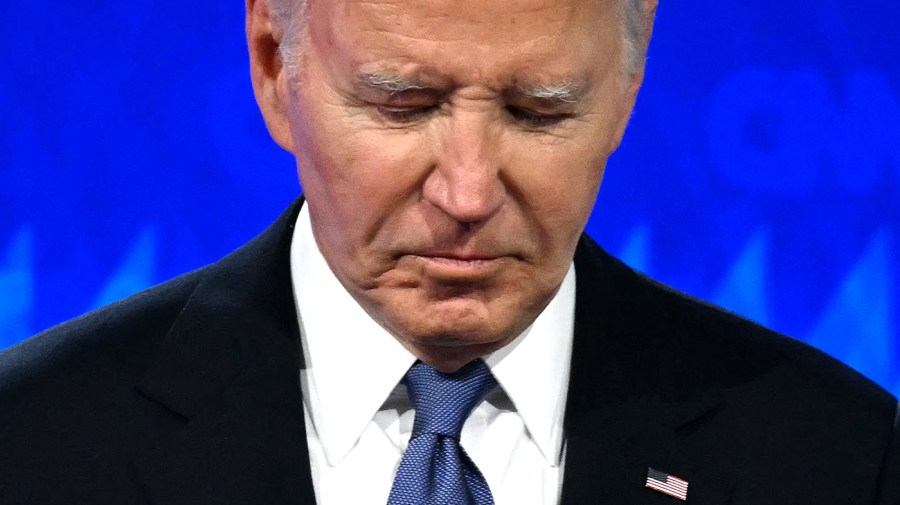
<point>761,170</point>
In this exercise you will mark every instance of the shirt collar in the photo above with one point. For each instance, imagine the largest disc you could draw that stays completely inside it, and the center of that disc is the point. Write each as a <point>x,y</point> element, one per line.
<point>352,364</point>
<point>534,370</point>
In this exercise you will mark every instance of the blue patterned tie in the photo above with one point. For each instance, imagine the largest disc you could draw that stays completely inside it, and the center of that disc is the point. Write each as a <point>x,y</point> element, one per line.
<point>435,470</point>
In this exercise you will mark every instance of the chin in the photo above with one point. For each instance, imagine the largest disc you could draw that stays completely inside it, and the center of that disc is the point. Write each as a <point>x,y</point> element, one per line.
<point>448,343</point>
<point>450,334</point>
<point>452,322</point>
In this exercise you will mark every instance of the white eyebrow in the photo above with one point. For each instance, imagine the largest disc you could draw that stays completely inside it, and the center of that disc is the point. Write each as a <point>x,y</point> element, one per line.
<point>392,84</point>
<point>566,92</point>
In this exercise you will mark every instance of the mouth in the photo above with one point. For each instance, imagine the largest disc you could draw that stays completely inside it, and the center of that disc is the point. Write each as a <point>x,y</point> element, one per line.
<point>461,267</point>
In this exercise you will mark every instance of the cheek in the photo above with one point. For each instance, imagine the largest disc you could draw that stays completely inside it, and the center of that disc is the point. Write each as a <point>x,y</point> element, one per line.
<point>355,177</point>
<point>558,185</point>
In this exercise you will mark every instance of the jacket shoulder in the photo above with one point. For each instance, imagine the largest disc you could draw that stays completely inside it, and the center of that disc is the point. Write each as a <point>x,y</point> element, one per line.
<point>105,347</point>
<point>66,393</point>
<point>777,410</point>
<point>719,345</point>
<point>738,344</point>
<point>105,351</point>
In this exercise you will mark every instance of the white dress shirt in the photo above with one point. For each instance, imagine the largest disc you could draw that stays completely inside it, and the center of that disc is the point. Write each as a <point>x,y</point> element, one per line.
<point>359,418</point>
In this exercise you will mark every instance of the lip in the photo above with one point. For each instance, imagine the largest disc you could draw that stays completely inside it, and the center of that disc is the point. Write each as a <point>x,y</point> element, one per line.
<point>460,266</point>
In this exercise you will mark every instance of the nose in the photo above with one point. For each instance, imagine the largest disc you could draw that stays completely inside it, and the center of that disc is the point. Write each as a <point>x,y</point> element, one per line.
<point>466,182</point>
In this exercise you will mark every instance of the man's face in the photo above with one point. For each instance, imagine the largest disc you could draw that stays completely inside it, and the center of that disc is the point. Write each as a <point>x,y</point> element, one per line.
<point>450,152</point>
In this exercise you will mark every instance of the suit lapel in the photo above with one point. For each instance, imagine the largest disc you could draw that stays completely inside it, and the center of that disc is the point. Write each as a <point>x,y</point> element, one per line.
<point>218,414</point>
<point>630,406</point>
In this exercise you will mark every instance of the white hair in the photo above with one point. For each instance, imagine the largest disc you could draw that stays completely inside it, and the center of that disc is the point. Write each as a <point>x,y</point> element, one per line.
<point>632,23</point>
<point>292,17</point>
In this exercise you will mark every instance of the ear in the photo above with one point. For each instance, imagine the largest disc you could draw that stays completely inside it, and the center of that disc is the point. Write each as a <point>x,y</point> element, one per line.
<point>270,82</point>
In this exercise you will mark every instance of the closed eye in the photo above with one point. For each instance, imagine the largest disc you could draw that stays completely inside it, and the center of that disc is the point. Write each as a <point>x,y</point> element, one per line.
<point>535,119</point>
<point>404,115</point>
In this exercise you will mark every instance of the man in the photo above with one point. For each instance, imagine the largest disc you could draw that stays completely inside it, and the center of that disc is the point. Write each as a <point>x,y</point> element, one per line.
<point>450,153</point>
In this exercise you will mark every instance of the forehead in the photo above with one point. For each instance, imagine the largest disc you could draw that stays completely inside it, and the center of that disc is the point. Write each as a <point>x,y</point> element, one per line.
<point>470,41</point>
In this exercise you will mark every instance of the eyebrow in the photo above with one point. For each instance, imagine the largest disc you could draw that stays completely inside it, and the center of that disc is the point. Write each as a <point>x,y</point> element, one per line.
<point>567,92</point>
<point>390,83</point>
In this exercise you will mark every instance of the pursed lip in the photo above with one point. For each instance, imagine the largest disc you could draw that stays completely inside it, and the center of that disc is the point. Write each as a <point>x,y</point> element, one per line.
<point>460,266</point>
<point>462,258</point>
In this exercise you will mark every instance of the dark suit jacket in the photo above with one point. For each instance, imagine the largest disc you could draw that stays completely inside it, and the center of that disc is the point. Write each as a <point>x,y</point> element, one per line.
<point>188,393</point>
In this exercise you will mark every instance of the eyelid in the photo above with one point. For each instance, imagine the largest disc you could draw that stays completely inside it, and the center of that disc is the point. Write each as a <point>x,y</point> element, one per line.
<point>407,114</point>
<point>404,115</point>
<point>537,119</point>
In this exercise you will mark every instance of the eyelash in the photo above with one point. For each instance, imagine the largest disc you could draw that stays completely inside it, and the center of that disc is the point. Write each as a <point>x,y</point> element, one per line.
<point>402,115</point>
<point>535,120</point>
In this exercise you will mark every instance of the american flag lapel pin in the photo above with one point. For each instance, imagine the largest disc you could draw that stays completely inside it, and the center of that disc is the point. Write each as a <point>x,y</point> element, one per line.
<point>667,484</point>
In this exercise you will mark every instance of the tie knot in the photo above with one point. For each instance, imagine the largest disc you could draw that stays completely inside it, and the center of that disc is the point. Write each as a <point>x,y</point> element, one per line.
<point>444,401</point>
